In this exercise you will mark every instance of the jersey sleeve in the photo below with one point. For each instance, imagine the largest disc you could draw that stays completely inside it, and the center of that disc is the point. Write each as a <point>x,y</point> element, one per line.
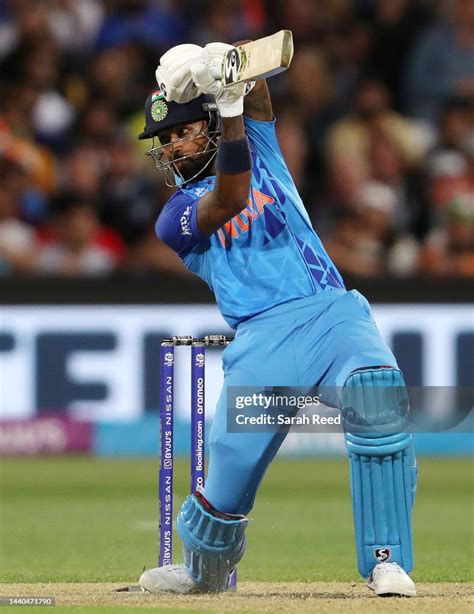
<point>177,224</point>
<point>262,136</point>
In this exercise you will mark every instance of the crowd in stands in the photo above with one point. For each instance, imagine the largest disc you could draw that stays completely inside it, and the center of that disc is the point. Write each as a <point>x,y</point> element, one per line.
<point>375,118</point>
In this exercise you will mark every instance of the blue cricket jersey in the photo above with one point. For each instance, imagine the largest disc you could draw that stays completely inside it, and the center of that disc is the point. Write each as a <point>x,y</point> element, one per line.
<point>266,255</point>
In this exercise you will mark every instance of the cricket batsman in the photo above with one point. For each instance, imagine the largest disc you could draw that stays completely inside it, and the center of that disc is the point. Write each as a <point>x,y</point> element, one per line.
<point>237,221</point>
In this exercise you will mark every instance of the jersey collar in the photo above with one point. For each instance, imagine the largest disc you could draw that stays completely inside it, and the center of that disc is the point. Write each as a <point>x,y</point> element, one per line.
<point>199,188</point>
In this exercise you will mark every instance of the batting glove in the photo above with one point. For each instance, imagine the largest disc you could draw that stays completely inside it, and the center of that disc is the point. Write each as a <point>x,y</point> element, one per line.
<point>207,74</point>
<point>174,73</point>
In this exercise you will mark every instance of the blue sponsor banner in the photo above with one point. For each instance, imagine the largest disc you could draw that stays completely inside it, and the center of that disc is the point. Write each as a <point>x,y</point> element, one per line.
<point>72,359</point>
<point>444,444</point>
<point>140,438</point>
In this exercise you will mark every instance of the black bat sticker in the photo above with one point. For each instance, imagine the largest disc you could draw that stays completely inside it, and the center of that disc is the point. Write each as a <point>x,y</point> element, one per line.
<point>232,66</point>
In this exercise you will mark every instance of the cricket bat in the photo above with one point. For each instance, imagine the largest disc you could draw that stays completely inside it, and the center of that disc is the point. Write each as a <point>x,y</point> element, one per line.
<point>258,59</point>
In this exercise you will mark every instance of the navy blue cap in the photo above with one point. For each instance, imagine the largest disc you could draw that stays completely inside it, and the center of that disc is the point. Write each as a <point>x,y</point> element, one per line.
<point>160,114</point>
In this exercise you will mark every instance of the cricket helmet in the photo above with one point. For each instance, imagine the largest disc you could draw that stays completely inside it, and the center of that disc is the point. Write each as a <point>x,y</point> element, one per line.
<point>161,114</point>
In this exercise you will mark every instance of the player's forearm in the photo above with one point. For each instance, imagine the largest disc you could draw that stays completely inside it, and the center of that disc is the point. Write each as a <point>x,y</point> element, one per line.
<point>258,104</point>
<point>233,166</point>
<point>232,128</point>
<point>233,176</point>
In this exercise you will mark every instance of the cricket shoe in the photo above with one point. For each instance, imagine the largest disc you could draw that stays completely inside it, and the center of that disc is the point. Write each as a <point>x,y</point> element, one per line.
<point>389,579</point>
<point>169,579</point>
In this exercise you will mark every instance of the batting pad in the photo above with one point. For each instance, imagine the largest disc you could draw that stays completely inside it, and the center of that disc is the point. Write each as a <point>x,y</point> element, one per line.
<point>383,467</point>
<point>212,546</point>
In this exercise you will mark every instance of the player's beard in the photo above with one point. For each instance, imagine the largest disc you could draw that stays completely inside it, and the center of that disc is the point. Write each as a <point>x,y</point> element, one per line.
<point>196,167</point>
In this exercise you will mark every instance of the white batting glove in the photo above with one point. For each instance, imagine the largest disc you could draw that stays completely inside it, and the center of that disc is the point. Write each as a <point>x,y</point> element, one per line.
<point>207,75</point>
<point>173,74</point>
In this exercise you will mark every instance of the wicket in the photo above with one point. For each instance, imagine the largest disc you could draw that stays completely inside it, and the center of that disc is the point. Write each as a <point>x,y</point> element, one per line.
<point>198,365</point>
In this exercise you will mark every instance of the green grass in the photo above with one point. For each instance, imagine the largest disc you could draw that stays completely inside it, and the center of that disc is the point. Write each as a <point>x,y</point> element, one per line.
<point>87,520</point>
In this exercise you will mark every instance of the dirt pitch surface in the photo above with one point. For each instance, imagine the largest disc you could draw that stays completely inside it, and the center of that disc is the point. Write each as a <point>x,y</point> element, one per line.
<point>255,597</point>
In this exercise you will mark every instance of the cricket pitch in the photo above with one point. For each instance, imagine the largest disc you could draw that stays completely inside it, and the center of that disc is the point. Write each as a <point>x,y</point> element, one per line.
<point>253,597</point>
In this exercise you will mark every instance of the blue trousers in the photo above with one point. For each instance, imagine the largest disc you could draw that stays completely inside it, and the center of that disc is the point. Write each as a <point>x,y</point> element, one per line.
<point>314,341</point>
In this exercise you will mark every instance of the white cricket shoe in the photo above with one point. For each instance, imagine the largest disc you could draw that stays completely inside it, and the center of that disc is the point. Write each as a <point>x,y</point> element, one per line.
<point>169,578</point>
<point>390,579</point>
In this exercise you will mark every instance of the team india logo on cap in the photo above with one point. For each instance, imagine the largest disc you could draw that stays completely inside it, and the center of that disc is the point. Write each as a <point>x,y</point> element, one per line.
<point>159,108</point>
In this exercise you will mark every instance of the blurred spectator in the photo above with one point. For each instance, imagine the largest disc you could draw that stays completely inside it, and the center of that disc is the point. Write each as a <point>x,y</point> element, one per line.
<point>27,25</point>
<point>51,115</point>
<point>156,24</point>
<point>17,239</point>
<point>114,77</point>
<point>35,63</point>
<point>75,74</point>
<point>36,180</point>
<point>449,175</point>
<point>310,85</point>
<point>349,50</point>
<point>350,136</point>
<point>75,24</point>
<point>300,17</point>
<point>449,249</point>
<point>308,20</point>
<point>97,123</point>
<point>442,64</point>
<point>76,246</point>
<point>84,170</point>
<point>130,201</point>
<point>389,166</point>
<point>309,105</point>
<point>449,164</point>
<point>363,242</point>
<point>396,24</point>
<point>292,139</point>
<point>345,177</point>
<point>455,126</point>
<point>228,21</point>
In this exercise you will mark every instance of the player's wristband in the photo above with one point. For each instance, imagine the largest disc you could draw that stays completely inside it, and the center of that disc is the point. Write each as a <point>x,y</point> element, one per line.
<point>233,157</point>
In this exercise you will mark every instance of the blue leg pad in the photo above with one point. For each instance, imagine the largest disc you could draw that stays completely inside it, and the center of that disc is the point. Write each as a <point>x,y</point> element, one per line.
<point>383,466</point>
<point>212,545</point>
